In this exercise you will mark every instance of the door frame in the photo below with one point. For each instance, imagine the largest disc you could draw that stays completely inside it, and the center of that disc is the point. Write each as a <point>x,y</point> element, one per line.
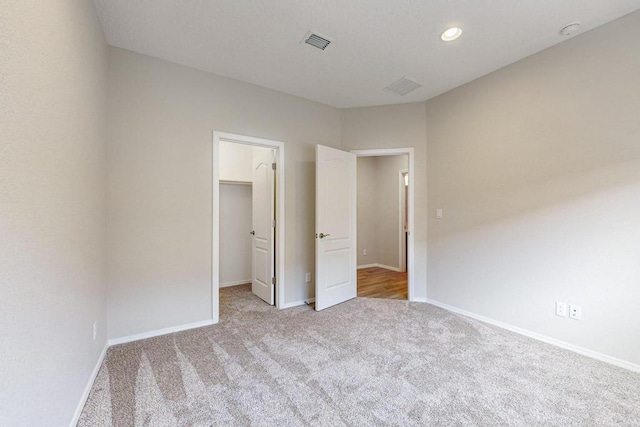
<point>379,152</point>
<point>402,200</point>
<point>278,146</point>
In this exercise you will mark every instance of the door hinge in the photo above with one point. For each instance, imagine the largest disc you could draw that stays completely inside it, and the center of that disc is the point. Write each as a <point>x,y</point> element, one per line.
<point>273,166</point>
<point>273,280</point>
<point>273,223</point>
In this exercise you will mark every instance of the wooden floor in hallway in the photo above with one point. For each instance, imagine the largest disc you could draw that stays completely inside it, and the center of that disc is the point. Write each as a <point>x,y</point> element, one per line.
<point>375,282</point>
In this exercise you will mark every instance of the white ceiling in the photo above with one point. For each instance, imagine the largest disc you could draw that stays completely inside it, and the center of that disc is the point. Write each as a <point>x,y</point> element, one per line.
<point>375,41</point>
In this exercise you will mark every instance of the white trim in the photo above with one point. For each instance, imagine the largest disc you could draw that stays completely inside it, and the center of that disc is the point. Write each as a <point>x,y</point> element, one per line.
<point>360,267</point>
<point>401,204</point>
<point>294,304</point>
<point>88,387</point>
<point>378,265</point>
<point>420,299</point>
<point>377,152</point>
<point>236,283</point>
<point>158,332</point>
<point>388,267</point>
<point>245,183</point>
<point>411,170</point>
<point>280,215</point>
<point>571,347</point>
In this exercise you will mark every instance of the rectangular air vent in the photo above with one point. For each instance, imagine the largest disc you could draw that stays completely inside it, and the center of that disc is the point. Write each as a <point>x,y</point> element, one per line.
<point>316,40</point>
<point>402,86</point>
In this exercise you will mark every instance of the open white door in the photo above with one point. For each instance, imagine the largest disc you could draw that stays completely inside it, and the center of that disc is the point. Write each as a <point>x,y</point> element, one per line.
<point>262,271</point>
<point>336,277</point>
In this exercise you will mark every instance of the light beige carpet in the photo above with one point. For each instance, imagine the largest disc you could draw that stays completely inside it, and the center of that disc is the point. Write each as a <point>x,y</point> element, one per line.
<point>364,362</point>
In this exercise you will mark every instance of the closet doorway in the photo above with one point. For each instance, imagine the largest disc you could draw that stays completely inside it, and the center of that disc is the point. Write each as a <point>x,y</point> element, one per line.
<point>248,206</point>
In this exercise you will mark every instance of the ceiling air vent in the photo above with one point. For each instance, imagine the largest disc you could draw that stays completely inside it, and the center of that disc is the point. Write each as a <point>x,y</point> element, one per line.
<point>316,40</point>
<point>402,86</point>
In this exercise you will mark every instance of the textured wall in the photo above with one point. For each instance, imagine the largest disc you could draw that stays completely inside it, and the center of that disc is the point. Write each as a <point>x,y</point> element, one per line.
<point>537,168</point>
<point>161,120</point>
<point>396,126</point>
<point>53,68</point>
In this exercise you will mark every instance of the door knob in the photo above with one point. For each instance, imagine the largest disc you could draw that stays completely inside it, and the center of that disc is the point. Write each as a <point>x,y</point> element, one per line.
<point>322,235</point>
<point>252,232</point>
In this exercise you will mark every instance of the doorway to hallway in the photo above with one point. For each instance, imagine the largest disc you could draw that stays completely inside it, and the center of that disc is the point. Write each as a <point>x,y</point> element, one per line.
<point>382,225</point>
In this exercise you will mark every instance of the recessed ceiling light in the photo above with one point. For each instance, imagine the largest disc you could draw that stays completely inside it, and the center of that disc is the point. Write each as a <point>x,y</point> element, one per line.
<point>451,34</point>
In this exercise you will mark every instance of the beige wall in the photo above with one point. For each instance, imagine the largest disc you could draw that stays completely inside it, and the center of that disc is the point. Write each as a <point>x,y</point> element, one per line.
<point>379,199</point>
<point>537,168</point>
<point>161,119</point>
<point>396,126</point>
<point>388,208</point>
<point>366,208</point>
<point>235,240</point>
<point>53,66</point>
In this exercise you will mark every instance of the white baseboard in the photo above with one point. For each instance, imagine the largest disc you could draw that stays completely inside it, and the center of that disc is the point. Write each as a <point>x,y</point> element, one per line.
<point>571,347</point>
<point>122,340</point>
<point>89,386</point>
<point>419,299</point>
<point>377,264</point>
<point>159,332</point>
<point>236,283</point>
<point>293,304</point>
<point>360,267</point>
<point>388,267</point>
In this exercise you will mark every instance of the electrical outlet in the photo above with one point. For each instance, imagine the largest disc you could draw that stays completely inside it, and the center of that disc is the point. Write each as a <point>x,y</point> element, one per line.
<point>439,214</point>
<point>307,277</point>
<point>364,252</point>
<point>575,312</point>
<point>561,309</point>
<point>95,330</point>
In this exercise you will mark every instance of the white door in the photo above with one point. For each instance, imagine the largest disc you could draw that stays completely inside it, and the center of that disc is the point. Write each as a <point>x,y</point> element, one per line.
<point>335,227</point>
<point>262,263</point>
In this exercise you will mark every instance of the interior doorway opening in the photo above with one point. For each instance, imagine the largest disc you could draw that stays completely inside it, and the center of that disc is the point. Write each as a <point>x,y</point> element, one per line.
<point>384,223</point>
<point>336,223</point>
<point>248,217</point>
<point>382,226</point>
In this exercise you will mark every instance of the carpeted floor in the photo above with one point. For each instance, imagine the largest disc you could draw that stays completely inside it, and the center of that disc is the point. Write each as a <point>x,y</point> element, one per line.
<point>364,362</point>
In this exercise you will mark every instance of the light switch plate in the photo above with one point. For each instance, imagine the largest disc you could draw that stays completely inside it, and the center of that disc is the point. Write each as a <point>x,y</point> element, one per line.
<point>438,213</point>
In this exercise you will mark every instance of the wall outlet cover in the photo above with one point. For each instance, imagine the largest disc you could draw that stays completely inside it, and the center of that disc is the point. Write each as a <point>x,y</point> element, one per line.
<point>561,309</point>
<point>575,312</point>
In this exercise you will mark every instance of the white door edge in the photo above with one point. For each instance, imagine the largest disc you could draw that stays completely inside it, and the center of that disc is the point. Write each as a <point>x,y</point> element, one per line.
<point>401,193</point>
<point>215,221</point>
